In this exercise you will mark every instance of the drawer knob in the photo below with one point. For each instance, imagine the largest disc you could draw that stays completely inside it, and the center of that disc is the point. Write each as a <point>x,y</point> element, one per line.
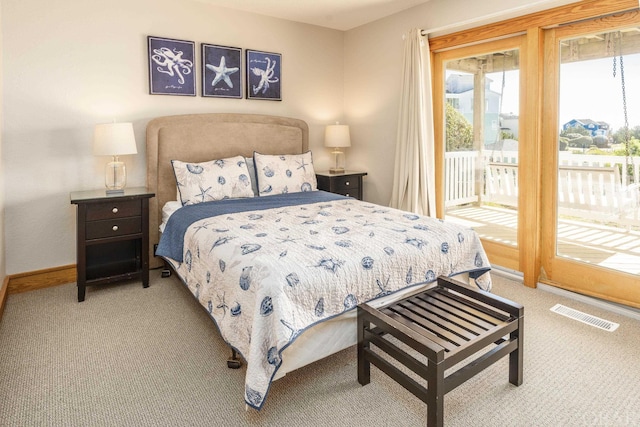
<point>347,194</point>
<point>114,228</point>
<point>114,210</point>
<point>346,183</point>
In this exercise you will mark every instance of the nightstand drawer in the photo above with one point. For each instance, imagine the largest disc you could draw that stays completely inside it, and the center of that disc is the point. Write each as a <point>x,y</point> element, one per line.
<point>347,184</point>
<point>114,209</point>
<point>113,228</point>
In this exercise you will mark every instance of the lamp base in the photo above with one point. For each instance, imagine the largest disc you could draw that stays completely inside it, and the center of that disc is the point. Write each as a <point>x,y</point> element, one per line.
<point>115,176</point>
<point>336,170</point>
<point>119,191</point>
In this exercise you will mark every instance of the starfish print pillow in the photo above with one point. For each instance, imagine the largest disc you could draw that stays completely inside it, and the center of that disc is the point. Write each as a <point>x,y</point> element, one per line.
<point>213,180</point>
<point>287,173</point>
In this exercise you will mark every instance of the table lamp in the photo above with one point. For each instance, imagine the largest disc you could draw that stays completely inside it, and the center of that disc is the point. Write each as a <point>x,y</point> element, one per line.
<point>337,137</point>
<point>114,139</point>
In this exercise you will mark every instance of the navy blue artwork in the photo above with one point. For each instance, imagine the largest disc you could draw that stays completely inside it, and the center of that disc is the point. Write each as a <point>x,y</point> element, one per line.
<point>171,66</point>
<point>264,75</point>
<point>221,71</point>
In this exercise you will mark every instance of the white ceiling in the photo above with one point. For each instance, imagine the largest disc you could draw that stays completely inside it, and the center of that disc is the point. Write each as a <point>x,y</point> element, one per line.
<point>337,14</point>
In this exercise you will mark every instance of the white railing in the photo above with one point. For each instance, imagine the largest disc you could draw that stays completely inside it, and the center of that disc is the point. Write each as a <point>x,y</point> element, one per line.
<point>585,183</point>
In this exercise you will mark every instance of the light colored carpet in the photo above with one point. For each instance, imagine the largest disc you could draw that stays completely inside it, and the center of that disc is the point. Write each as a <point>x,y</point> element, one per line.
<point>129,356</point>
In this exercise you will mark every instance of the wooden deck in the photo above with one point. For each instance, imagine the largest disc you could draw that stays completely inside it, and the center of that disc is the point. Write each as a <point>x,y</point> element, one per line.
<point>603,245</point>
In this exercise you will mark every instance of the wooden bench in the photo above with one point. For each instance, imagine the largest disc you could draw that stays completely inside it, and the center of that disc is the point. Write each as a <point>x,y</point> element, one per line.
<point>447,324</point>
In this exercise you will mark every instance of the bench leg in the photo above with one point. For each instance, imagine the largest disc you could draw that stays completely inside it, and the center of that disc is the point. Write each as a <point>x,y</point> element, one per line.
<point>435,395</point>
<point>516,359</point>
<point>364,366</point>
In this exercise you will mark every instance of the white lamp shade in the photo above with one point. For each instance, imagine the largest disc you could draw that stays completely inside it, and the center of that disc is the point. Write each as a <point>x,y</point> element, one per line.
<point>337,136</point>
<point>114,139</point>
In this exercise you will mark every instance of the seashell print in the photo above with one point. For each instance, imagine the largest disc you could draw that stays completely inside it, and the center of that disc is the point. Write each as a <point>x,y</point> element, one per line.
<point>444,248</point>
<point>409,277</point>
<point>350,301</point>
<point>316,247</point>
<point>284,229</point>
<point>222,265</point>
<point>221,180</point>
<point>478,261</point>
<point>367,263</point>
<point>209,306</point>
<point>245,279</point>
<point>219,163</point>
<point>254,398</point>
<point>208,277</point>
<point>292,279</point>
<point>268,172</point>
<point>320,307</point>
<point>188,259</point>
<point>288,173</point>
<point>236,310</point>
<point>283,254</point>
<point>324,213</point>
<point>418,243</point>
<point>244,180</point>
<point>249,248</point>
<point>421,227</point>
<point>285,190</point>
<point>255,217</point>
<point>221,241</point>
<point>389,250</point>
<point>411,217</point>
<point>430,276</point>
<point>340,230</point>
<point>195,169</point>
<point>221,230</point>
<point>261,235</point>
<point>266,306</point>
<point>372,234</point>
<point>305,187</point>
<point>197,293</point>
<point>330,264</point>
<point>313,232</point>
<point>460,237</point>
<point>344,243</point>
<point>283,158</point>
<point>247,226</point>
<point>273,357</point>
<point>267,189</point>
<point>311,222</point>
<point>240,163</point>
<point>380,211</point>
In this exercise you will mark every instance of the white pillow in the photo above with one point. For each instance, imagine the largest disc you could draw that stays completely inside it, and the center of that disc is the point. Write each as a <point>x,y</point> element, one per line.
<point>288,173</point>
<point>213,180</point>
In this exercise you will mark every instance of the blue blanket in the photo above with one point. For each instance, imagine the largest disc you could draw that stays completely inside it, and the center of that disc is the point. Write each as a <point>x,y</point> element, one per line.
<point>171,243</point>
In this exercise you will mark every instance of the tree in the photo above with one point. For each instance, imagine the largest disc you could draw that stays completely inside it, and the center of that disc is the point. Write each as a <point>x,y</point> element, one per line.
<point>459,132</point>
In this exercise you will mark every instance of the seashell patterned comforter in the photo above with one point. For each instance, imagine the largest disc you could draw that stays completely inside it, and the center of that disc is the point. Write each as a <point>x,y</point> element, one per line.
<point>268,268</point>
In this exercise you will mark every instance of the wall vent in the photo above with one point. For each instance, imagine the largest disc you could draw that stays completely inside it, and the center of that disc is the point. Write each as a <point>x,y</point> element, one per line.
<point>585,318</point>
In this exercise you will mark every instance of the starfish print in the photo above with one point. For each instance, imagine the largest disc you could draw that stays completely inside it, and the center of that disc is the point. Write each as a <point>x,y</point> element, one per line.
<point>222,72</point>
<point>287,239</point>
<point>203,192</point>
<point>303,165</point>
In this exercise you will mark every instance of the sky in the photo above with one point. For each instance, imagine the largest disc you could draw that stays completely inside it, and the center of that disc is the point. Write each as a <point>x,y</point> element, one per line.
<point>588,90</point>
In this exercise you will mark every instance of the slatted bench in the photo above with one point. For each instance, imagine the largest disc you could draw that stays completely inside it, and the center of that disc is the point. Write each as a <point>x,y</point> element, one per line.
<point>447,324</point>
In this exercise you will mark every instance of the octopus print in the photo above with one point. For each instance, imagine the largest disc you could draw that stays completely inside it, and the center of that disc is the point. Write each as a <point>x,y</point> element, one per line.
<point>267,76</point>
<point>170,62</point>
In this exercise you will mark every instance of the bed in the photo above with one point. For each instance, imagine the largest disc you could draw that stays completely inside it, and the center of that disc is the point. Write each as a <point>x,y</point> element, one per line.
<point>280,268</point>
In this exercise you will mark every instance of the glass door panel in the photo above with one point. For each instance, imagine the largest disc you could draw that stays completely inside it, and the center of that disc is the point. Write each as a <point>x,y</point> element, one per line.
<point>482,127</point>
<point>591,141</point>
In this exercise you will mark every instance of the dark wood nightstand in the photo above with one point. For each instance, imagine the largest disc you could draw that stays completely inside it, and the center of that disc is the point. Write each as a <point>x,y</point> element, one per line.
<point>348,183</point>
<point>112,237</point>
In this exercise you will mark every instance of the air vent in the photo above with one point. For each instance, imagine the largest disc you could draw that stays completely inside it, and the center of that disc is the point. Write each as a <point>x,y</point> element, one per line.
<point>585,318</point>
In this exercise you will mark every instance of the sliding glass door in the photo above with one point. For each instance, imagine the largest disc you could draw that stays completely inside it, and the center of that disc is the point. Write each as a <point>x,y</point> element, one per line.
<point>478,89</point>
<point>591,179</point>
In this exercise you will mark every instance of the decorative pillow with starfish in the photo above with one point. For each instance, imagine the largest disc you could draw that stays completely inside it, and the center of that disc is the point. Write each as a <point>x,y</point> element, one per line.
<point>288,173</point>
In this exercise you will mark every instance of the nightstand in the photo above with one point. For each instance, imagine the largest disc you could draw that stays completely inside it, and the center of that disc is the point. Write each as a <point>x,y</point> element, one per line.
<point>348,183</point>
<point>112,237</point>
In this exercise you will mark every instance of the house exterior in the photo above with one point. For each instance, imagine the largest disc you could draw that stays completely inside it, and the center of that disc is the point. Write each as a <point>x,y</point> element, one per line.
<point>596,128</point>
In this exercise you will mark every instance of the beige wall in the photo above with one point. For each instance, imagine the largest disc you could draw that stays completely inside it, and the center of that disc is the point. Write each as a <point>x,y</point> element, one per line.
<point>373,65</point>
<point>71,66</point>
<point>2,239</point>
<point>79,63</point>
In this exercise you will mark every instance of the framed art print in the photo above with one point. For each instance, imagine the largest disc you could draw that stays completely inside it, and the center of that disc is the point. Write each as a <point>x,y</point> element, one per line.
<point>264,75</point>
<point>171,67</point>
<point>221,71</point>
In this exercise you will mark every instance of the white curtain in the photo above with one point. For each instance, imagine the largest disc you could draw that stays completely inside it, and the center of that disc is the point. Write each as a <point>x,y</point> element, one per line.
<point>414,177</point>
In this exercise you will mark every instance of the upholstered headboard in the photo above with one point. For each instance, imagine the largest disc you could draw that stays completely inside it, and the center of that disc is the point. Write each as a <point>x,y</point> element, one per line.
<point>203,137</point>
